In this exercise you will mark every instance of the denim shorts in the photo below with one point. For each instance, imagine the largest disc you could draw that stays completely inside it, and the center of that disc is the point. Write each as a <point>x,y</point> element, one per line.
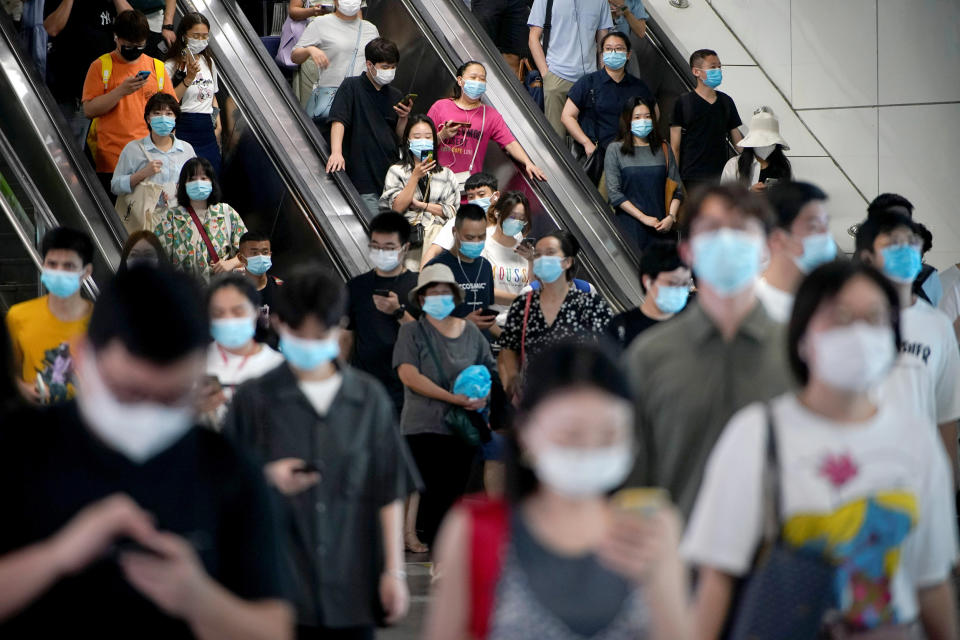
<point>493,450</point>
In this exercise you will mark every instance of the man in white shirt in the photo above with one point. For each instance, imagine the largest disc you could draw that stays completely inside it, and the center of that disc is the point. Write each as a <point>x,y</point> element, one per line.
<point>926,376</point>
<point>799,243</point>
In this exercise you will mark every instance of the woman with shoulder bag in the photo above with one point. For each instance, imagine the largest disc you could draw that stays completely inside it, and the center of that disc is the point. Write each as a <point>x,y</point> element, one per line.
<point>202,235</point>
<point>429,355</point>
<point>643,179</point>
<point>419,188</point>
<point>855,539</point>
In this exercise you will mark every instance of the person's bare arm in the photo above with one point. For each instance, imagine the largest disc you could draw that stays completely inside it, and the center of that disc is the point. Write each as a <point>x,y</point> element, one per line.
<point>123,5</point>
<point>711,603</point>
<point>508,366</point>
<point>104,104</point>
<point>403,200</point>
<point>226,616</point>
<point>637,25</point>
<point>447,613</point>
<point>298,12</point>
<point>736,137</point>
<point>938,612</point>
<point>516,151</point>
<point>346,342</point>
<point>394,593</point>
<point>336,162</point>
<point>569,119</point>
<point>676,135</point>
<point>536,50</point>
<point>430,253</point>
<point>54,23</point>
<point>411,377</point>
<point>948,434</point>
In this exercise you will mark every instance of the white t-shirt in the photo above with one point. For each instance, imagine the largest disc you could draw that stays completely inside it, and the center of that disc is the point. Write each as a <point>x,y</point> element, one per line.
<point>321,393</point>
<point>778,303</point>
<point>950,302</point>
<point>198,97</point>
<point>444,237</point>
<point>233,370</point>
<point>337,38</point>
<point>877,495</point>
<point>509,271</point>
<point>926,376</point>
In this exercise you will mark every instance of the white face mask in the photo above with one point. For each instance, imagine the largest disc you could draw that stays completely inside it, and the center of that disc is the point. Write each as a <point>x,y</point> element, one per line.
<point>764,152</point>
<point>139,431</point>
<point>349,7</point>
<point>385,76</point>
<point>583,472</point>
<point>385,260</point>
<point>853,358</point>
<point>196,46</point>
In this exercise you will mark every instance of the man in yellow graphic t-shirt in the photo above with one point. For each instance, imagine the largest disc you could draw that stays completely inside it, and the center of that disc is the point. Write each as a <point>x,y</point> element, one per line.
<point>42,330</point>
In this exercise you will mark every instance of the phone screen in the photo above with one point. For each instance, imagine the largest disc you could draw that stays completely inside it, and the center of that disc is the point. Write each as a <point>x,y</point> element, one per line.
<point>143,75</point>
<point>383,293</point>
<point>426,156</point>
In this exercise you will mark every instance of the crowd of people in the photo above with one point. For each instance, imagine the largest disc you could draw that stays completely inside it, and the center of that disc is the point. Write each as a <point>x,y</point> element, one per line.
<point>209,451</point>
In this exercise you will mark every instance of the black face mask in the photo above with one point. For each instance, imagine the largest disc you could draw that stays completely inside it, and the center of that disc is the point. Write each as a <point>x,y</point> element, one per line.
<point>131,53</point>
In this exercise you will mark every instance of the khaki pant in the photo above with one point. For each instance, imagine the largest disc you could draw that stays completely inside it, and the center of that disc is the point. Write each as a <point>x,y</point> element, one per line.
<point>555,90</point>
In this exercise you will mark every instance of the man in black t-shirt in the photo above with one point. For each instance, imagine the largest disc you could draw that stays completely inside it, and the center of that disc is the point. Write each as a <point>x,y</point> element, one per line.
<point>375,318</point>
<point>256,256</point>
<point>80,31</point>
<point>121,518</point>
<point>368,116</point>
<point>702,121</point>
<point>665,281</point>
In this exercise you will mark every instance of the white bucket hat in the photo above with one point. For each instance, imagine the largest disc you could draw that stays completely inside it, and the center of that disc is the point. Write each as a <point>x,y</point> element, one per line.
<point>764,130</point>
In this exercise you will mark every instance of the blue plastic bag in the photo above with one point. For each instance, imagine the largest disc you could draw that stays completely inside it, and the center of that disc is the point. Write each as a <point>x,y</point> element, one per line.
<point>473,382</point>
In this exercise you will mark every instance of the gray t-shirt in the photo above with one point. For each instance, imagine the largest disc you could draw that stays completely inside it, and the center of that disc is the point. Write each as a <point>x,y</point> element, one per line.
<point>420,413</point>
<point>338,39</point>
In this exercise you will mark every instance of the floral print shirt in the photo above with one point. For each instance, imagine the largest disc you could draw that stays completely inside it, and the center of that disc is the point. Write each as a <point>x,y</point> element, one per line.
<point>582,316</point>
<point>184,245</point>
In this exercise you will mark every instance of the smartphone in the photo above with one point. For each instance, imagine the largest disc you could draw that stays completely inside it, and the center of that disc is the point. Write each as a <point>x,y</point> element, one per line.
<point>644,501</point>
<point>462,124</point>
<point>410,97</point>
<point>426,156</point>
<point>143,75</point>
<point>771,181</point>
<point>214,381</point>
<point>530,242</point>
<point>307,468</point>
<point>383,293</point>
<point>487,312</point>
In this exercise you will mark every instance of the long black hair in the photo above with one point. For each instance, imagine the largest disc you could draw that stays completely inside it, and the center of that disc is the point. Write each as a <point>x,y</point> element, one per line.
<point>777,162</point>
<point>178,51</point>
<point>570,247</point>
<point>407,155</point>
<point>462,69</point>
<point>192,168</point>
<point>654,139</point>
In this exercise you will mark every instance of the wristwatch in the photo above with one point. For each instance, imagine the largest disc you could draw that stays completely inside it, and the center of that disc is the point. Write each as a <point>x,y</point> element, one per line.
<point>167,27</point>
<point>399,312</point>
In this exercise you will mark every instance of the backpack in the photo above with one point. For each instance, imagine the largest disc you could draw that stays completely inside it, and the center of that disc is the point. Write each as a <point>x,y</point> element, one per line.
<point>489,533</point>
<point>106,68</point>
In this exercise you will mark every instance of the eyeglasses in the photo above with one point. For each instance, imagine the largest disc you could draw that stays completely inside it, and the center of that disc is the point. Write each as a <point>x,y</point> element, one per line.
<point>620,49</point>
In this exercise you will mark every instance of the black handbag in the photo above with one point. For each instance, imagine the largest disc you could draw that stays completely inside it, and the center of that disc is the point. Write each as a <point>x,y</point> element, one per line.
<point>788,591</point>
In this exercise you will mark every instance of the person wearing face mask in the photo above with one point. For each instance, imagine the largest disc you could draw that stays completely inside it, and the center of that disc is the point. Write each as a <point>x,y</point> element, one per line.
<point>202,234</point>
<point>558,559</point>
<point>142,247</point>
<point>926,376</point>
<point>665,281</point>
<point>368,115</point>
<point>481,189</point>
<point>552,313</point>
<point>378,303</point>
<point>466,126</point>
<point>429,355</point>
<point>704,122</point>
<point>191,66</point>
<point>116,90</point>
<point>799,243</point>
<point>418,187</point>
<point>512,260</point>
<point>256,256</point>
<point>691,374</point>
<point>151,164</point>
<point>44,330</point>
<point>861,487</point>
<point>639,168</point>
<point>128,520</point>
<point>591,114</point>
<point>762,162</point>
<point>235,355</point>
<point>327,437</point>
<point>331,50</point>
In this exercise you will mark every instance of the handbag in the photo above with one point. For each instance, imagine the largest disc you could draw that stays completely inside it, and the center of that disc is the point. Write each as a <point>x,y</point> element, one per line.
<point>321,98</point>
<point>592,164</point>
<point>289,36</point>
<point>788,591</point>
<point>137,209</point>
<point>468,426</point>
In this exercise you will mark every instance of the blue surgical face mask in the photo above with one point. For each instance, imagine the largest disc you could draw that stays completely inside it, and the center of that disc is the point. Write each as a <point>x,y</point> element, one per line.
<point>672,299</point>
<point>162,125</point>
<point>233,333</point>
<point>420,145</point>
<point>902,263</point>
<point>817,250</point>
<point>199,190</point>
<point>308,355</point>
<point>439,307</point>
<point>614,59</point>
<point>259,265</point>
<point>61,284</point>
<point>483,203</point>
<point>728,260</point>
<point>512,226</point>
<point>641,128</point>
<point>474,88</point>
<point>713,78</point>
<point>548,268</point>
<point>471,249</point>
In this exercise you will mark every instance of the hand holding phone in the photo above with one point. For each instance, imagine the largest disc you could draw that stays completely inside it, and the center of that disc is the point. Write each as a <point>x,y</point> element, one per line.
<point>383,293</point>
<point>143,75</point>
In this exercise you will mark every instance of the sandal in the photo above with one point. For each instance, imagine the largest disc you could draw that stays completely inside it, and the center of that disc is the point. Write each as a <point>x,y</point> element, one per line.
<point>413,544</point>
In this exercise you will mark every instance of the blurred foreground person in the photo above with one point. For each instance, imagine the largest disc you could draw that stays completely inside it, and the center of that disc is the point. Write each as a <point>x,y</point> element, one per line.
<point>560,560</point>
<point>122,520</point>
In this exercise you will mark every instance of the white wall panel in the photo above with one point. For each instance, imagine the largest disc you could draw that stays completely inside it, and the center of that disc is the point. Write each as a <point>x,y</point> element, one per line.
<point>697,27</point>
<point>850,136</point>
<point>846,207</point>
<point>762,26</point>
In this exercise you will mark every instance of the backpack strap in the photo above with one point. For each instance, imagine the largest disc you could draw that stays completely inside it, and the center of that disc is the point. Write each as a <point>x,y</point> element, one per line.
<point>106,68</point>
<point>161,72</point>
<point>489,534</point>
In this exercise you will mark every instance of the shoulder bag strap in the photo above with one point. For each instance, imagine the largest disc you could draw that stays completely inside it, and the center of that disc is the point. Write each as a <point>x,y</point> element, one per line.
<point>214,257</point>
<point>772,488</point>
<point>523,334</point>
<point>436,360</point>
<point>356,48</point>
<point>547,27</point>
<point>483,124</point>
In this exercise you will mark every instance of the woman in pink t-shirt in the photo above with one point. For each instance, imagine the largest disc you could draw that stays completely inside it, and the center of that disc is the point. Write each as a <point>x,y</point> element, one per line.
<point>465,126</point>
